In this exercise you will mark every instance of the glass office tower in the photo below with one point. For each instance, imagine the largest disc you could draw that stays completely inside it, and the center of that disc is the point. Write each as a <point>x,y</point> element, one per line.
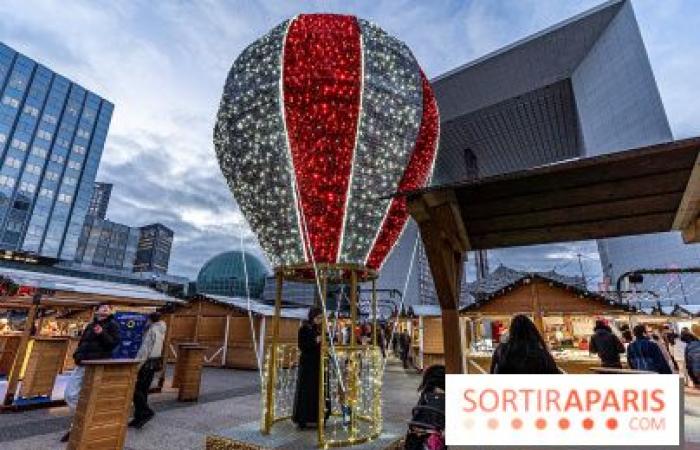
<point>52,133</point>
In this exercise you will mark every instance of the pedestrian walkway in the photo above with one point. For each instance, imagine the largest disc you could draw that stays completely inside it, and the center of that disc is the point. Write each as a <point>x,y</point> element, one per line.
<point>229,398</point>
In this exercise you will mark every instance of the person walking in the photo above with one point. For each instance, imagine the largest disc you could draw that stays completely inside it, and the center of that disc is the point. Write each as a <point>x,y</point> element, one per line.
<point>150,357</point>
<point>606,345</point>
<point>405,346</point>
<point>656,339</point>
<point>643,354</point>
<point>100,337</point>
<point>525,352</point>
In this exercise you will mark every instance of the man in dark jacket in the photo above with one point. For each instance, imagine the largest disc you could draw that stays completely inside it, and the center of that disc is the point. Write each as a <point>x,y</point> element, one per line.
<point>644,354</point>
<point>606,345</point>
<point>100,337</point>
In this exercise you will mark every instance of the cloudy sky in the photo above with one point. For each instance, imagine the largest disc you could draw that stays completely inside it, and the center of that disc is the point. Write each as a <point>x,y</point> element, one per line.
<point>163,65</point>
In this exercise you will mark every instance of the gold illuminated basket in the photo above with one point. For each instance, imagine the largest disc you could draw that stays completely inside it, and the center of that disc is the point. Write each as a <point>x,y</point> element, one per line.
<point>350,375</point>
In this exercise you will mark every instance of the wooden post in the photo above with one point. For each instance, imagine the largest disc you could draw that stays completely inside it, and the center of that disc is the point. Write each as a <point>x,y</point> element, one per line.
<point>195,338</point>
<point>536,310</point>
<point>103,407</point>
<point>191,375</point>
<point>445,242</point>
<point>225,351</point>
<point>179,363</point>
<point>13,378</point>
<point>169,320</point>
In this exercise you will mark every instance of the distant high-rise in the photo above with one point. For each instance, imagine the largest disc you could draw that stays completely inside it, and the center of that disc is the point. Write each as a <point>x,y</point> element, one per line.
<point>107,244</point>
<point>100,200</point>
<point>153,253</point>
<point>52,133</point>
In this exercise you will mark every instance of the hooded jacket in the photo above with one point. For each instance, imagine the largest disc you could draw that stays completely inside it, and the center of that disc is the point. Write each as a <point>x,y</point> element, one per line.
<point>98,346</point>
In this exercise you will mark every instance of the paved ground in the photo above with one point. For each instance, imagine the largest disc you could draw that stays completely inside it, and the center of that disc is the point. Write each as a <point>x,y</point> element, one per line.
<point>229,398</point>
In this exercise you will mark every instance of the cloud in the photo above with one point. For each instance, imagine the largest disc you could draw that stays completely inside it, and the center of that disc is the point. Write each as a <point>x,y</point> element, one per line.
<point>163,65</point>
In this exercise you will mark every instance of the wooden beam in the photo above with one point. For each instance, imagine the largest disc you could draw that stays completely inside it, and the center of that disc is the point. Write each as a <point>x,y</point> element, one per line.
<point>445,242</point>
<point>689,207</point>
<point>691,233</point>
<point>13,378</point>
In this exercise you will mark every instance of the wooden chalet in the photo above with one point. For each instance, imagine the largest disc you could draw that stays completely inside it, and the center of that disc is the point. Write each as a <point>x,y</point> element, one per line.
<point>223,325</point>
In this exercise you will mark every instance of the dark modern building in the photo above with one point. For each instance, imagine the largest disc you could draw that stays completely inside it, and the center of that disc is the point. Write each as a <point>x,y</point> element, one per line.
<point>100,200</point>
<point>107,244</point>
<point>52,133</point>
<point>583,87</point>
<point>153,253</point>
<point>226,273</point>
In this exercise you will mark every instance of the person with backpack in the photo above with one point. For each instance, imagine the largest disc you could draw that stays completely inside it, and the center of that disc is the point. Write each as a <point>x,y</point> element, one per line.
<point>606,345</point>
<point>426,430</point>
<point>644,354</point>
<point>525,352</point>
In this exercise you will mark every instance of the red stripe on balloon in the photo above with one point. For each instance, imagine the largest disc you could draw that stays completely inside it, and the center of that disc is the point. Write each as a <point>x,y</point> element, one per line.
<point>414,177</point>
<point>322,86</point>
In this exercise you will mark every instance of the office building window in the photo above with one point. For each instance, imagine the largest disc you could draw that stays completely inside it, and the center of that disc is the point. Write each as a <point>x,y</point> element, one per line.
<point>19,144</point>
<point>13,162</point>
<point>31,110</point>
<point>27,187</point>
<point>7,181</point>
<point>10,101</point>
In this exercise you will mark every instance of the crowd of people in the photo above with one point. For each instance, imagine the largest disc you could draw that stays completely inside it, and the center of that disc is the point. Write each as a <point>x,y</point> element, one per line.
<point>98,340</point>
<point>661,351</point>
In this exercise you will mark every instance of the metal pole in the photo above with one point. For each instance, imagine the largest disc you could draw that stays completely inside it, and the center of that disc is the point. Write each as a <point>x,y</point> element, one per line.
<point>374,313</point>
<point>322,365</point>
<point>272,361</point>
<point>352,388</point>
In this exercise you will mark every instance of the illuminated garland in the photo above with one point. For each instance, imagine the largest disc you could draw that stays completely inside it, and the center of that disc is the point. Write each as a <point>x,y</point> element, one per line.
<point>338,107</point>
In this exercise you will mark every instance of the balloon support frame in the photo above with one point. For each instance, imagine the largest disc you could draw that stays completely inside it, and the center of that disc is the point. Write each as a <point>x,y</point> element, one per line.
<point>361,395</point>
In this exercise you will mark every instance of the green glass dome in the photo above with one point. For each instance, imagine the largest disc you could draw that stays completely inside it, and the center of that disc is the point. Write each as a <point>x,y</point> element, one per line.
<point>224,274</point>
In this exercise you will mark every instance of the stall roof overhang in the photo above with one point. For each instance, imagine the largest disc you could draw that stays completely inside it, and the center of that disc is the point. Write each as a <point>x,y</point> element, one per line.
<point>644,190</point>
<point>255,307</point>
<point>74,291</point>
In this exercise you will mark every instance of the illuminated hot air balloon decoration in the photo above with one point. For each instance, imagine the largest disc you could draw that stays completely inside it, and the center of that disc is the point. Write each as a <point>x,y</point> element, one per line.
<point>321,120</point>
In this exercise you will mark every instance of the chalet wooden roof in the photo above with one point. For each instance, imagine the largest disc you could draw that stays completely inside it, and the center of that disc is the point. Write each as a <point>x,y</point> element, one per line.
<point>516,279</point>
<point>644,190</point>
<point>242,305</point>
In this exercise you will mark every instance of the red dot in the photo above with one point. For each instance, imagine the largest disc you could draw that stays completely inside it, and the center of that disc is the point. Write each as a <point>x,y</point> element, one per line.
<point>611,423</point>
<point>516,424</point>
<point>588,424</point>
<point>564,424</point>
<point>541,424</point>
<point>493,424</point>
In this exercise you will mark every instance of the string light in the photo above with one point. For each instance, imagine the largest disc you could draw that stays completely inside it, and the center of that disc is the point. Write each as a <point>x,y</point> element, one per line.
<point>353,121</point>
<point>322,119</point>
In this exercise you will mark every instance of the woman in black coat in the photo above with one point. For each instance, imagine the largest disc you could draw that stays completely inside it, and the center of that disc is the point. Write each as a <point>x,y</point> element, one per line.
<point>525,352</point>
<point>306,396</point>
